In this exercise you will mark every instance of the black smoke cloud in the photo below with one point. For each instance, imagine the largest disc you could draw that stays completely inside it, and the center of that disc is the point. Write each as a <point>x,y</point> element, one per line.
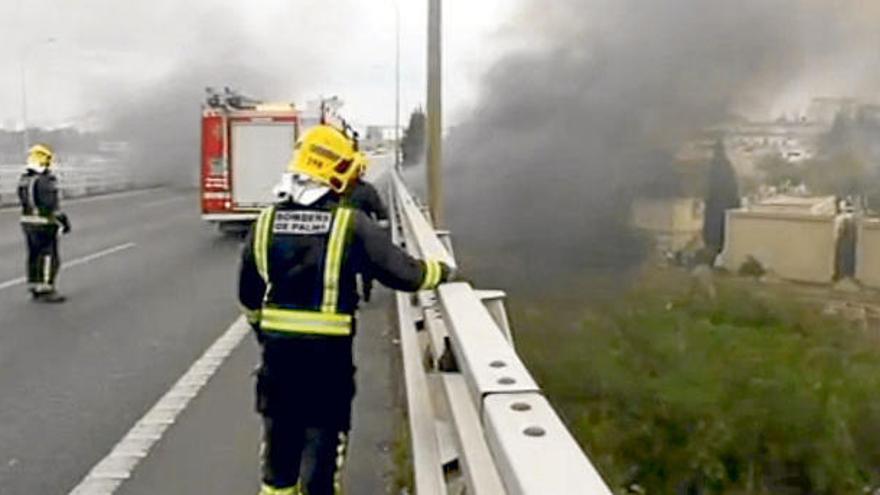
<point>569,129</point>
<point>161,122</point>
<point>163,127</point>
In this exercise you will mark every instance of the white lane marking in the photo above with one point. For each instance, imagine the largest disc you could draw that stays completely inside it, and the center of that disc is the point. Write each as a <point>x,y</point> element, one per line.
<point>73,263</point>
<point>109,474</point>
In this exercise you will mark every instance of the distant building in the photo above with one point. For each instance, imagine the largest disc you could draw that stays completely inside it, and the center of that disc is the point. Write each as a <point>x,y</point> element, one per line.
<point>673,223</point>
<point>383,132</point>
<point>794,139</point>
<point>381,136</point>
<point>824,110</point>
<point>747,143</point>
<point>796,238</point>
<point>867,256</point>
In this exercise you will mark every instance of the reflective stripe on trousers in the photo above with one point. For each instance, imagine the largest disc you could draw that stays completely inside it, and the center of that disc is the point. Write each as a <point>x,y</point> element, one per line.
<point>268,490</point>
<point>340,462</point>
<point>47,269</point>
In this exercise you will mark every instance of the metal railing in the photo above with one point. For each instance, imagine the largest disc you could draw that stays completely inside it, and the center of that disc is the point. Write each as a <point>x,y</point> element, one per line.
<point>75,179</point>
<point>479,423</point>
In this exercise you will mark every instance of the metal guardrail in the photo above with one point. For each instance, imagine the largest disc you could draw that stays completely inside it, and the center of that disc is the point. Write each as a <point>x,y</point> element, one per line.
<point>75,179</point>
<point>479,423</point>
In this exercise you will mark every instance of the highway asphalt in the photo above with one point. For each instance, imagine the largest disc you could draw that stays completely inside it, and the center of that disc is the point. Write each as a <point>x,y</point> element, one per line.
<point>151,287</point>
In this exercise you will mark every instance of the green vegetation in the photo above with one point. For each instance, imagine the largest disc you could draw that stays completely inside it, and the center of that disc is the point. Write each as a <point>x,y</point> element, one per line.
<point>404,481</point>
<point>751,268</point>
<point>672,390</point>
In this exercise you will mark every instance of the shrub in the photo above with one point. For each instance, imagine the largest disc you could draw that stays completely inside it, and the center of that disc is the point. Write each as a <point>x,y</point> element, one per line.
<point>752,268</point>
<point>674,392</point>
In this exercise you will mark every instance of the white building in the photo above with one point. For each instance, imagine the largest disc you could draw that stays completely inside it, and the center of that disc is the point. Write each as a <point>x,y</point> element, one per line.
<point>381,135</point>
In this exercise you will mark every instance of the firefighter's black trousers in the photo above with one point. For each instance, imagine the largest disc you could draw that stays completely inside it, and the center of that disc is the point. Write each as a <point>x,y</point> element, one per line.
<point>304,391</point>
<point>311,457</point>
<point>43,261</point>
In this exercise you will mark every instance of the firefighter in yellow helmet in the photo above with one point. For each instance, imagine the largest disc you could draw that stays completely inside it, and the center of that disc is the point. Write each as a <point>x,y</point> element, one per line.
<point>41,219</point>
<point>297,286</point>
<point>364,196</point>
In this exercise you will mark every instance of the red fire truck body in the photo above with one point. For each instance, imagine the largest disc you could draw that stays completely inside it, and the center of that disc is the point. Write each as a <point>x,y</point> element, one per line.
<point>245,150</point>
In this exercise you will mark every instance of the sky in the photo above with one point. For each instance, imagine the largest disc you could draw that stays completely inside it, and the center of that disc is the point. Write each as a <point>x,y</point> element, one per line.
<point>79,56</point>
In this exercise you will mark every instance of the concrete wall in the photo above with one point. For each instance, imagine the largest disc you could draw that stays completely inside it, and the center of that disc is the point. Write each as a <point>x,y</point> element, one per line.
<point>794,246</point>
<point>83,179</point>
<point>674,222</point>
<point>868,252</point>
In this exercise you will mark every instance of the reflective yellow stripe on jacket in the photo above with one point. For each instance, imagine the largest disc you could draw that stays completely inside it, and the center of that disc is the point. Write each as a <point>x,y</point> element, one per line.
<point>333,260</point>
<point>35,220</point>
<point>305,322</point>
<point>326,321</point>
<point>262,235</point>
<point>433,274</point>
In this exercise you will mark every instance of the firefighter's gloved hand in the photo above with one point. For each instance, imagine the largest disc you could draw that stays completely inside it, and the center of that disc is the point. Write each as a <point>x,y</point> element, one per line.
<point>64,222</point>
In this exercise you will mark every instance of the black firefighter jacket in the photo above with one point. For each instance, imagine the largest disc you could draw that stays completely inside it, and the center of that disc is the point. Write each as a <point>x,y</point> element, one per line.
<point>38,197</point>
<point>311,377</point>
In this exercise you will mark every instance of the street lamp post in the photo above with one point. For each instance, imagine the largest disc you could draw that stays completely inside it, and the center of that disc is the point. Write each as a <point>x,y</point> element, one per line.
<point>435,112</point>
<point>22,66</point>
<point>396,85</point>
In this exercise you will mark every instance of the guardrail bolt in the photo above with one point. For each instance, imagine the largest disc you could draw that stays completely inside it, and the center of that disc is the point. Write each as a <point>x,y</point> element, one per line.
<point>535,431</point>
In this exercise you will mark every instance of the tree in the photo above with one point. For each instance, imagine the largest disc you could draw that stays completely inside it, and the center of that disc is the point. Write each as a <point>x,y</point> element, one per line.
<point>413,143</point>
<point>722,194</point>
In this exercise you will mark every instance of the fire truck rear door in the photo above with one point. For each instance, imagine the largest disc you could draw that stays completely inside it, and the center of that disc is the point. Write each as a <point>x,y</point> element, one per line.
<point>260,151</point>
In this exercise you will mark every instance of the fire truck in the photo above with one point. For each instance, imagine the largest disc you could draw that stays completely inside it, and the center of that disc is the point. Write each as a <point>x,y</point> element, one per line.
<point>246,145</point>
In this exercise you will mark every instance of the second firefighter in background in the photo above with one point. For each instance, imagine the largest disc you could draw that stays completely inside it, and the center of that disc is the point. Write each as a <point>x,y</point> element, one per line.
<point>298,287</point>
<point>41,219</point>
<point>364,196</point>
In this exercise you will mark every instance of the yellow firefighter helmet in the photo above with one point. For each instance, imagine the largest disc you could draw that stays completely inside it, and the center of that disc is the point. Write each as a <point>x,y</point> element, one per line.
<point>326,155</point>
<point>40,154</point>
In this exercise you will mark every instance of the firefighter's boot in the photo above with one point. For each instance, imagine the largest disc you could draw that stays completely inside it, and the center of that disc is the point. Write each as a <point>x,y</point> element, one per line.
<point>49,297</point>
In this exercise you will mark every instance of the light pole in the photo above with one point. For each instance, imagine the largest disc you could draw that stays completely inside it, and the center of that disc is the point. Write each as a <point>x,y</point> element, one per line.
<point>396,85</point>
<point>25,51</point>
<point>435,112</point>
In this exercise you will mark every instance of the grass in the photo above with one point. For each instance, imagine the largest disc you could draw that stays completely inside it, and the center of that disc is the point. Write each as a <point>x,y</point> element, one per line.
<point>404,481</point>
<point>675,388</point>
